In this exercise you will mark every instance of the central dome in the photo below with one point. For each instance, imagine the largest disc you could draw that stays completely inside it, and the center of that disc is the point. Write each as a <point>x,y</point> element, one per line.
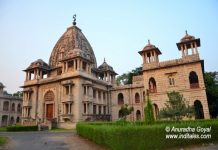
<point>72,43</point>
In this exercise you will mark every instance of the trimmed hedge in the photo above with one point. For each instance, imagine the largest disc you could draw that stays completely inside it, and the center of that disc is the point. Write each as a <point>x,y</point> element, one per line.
<point>21,128</point>
<point>140,136</point>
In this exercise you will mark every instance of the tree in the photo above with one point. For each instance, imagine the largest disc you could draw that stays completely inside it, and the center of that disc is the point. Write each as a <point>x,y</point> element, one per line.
<point>149,114</point>
<point>124,111</point>
<point>176,108</point>
<point>211,84</point>
<point>18,94</point>
<point>126,78</point>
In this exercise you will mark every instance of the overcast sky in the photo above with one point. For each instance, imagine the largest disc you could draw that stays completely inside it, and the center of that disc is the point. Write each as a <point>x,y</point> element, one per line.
<point>115,30</point>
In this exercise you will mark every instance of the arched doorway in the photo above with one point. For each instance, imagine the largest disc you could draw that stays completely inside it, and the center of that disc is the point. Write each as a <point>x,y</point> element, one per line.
<point>156,111</point>
<point>4,120</point>
<point>12,120</point>
<point>49,105</point>
<point>18,120</point>
<point>199,112</point>
<point>138,115</point>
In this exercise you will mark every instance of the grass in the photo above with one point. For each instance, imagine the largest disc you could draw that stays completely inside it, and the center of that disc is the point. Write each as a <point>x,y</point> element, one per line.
<point>3,140</point>
<point>3,129</point>
<point>138,135</point>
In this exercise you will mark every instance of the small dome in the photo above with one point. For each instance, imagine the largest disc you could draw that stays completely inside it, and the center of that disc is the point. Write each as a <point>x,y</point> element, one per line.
<point>105,67</point>
<point>187,37</point>
<point>1,85</point>
<point>39,64</point>
<point>149,46</point>
<point>72,43</point>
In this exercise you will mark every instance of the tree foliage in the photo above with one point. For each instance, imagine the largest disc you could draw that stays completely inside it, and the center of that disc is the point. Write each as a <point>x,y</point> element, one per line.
<point>211,84</point>
<point>176,107</point>
<point>126,78</point>
<point>149,114</point>
<point>124,111</point>
<point>18,94</point>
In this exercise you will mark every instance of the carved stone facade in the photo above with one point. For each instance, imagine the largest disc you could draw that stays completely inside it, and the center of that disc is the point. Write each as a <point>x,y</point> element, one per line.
<point>72,88</point>
<point>10,108</point>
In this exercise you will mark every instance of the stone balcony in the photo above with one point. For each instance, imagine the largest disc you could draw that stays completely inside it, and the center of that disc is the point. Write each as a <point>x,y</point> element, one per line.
<point>174,62</point>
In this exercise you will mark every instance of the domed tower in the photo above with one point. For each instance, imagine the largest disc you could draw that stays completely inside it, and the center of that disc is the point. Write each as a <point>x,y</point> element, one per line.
<point>72,52</point>
<point>188,42</point>
<point>107,72</point>
<point>150,53</point>
<point>1,88</point>
<point>37,70</point>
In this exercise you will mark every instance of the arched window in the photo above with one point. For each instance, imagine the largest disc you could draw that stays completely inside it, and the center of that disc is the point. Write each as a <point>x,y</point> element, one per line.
<point>13,107</point>
<point>12,120</point>
<point>138,115</point>
<point>193,80</point>
<point>49,96</point>
<point>18,120</point>
<point>152,85</point>
<point>4,120</point>
<point>120,99</point>
<point>6,106</point>
<point>18,108</point>
<point>199,112</point>
<point>120,115</point>
<point>156,111</point>
<point>137,98</point>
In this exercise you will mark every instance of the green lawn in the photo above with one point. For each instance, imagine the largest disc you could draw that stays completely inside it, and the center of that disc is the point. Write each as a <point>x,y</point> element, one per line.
<point>3,140</point>
<point>2,129</point>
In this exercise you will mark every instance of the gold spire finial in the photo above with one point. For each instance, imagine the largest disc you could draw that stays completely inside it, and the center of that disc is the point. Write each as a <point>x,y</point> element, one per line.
<point>74,19</point>
<point>186,32</point>
<point>149,42</point>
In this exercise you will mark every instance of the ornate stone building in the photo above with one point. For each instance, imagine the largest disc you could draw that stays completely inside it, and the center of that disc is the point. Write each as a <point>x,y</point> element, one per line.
<point>10,108</point>
<point>184,75</point>
<point>73,88</point>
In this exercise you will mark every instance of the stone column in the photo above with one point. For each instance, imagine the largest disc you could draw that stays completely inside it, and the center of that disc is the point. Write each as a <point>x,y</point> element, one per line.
<point>78,64</point>
<point>74,65</point>
<point>87,112</point>
<point>37,74</point>
<point>41,74</point>
<point>34,73</point>
<point>192,48</point>
<point>196,48</point>
<point>26,76</point>
<point>66,66</point>
<point>186,51</point>
<point>68,108</point>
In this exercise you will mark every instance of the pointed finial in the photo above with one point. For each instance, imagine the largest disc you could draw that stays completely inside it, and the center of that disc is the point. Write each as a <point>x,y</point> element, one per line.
<point>149,42</point>
<point>74,19</point>
<point>186,32</point>
<point>104,59</point>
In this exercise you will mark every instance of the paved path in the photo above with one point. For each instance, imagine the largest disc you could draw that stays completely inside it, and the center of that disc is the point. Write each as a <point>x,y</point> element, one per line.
<point>48,141</point>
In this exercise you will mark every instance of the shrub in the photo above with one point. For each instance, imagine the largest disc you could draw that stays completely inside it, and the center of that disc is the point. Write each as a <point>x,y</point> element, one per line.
<point>149,114</point>
<point>141,136</point>
<point>22,128</point>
